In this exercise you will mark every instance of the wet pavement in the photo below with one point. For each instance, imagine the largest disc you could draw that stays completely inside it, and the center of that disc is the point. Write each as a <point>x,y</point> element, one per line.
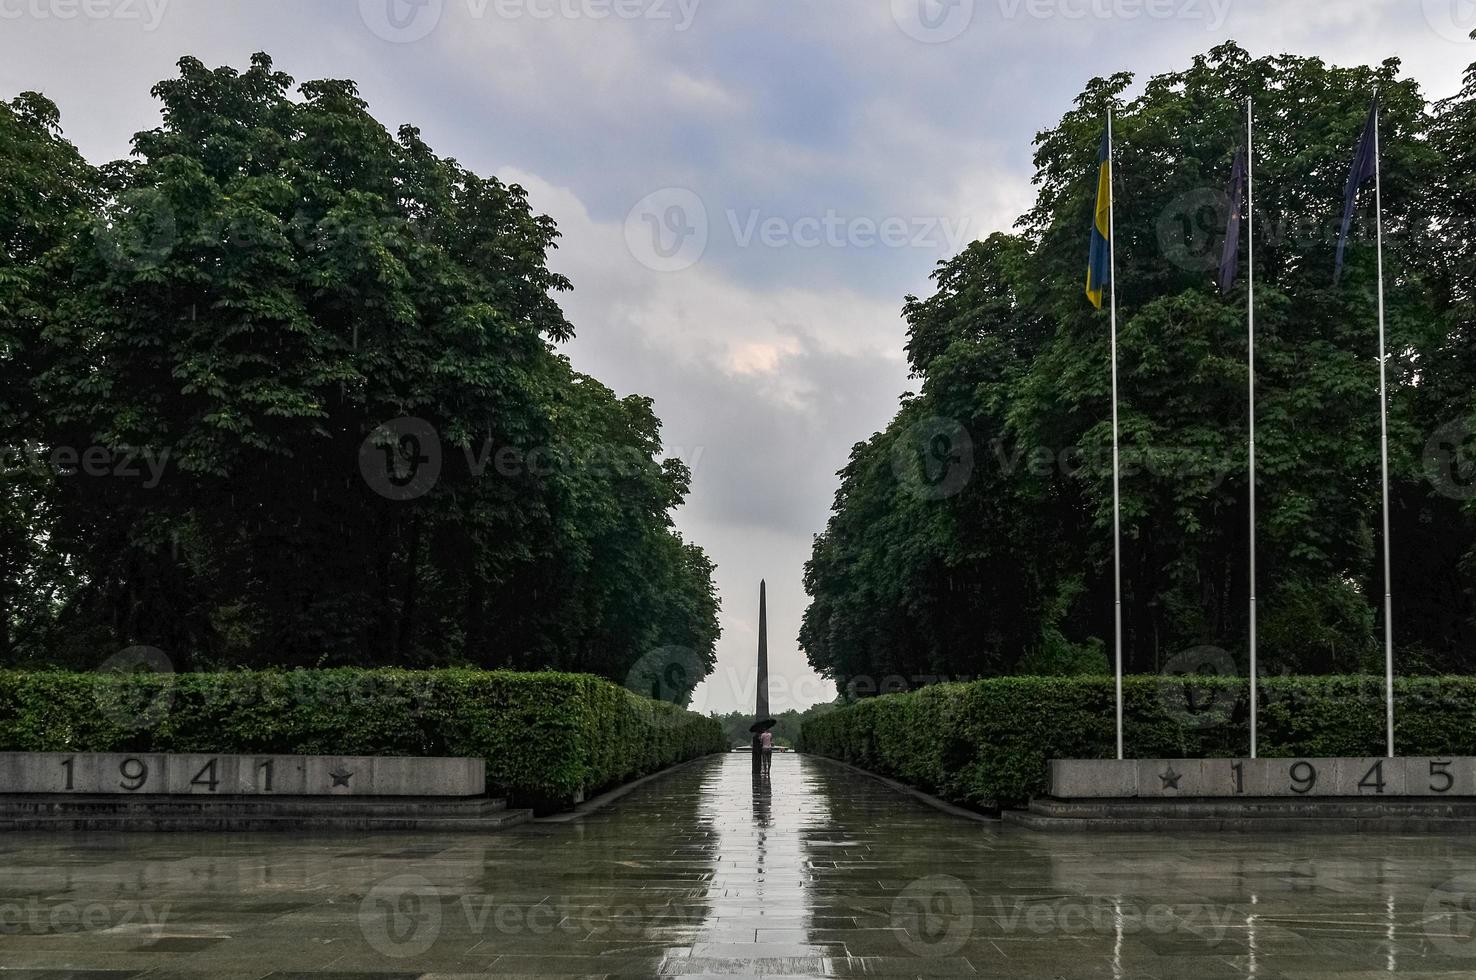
<point>818,872</point>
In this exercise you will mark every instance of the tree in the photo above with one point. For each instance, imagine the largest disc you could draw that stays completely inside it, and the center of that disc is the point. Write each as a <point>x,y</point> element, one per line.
<point>47,191</point>
<point>786,732</point>
<point>338,348</point>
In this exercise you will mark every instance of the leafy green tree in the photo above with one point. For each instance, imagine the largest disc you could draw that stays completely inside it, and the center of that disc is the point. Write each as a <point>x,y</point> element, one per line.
<point>339,349</point>
<point>786,732</point>
<point>47,192</point>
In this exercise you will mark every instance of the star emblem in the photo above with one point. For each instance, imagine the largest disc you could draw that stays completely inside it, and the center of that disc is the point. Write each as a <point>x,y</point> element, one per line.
<point>1170,778</point>
<point>341,776</point>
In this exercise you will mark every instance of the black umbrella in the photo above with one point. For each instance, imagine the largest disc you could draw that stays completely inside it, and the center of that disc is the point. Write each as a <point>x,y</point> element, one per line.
<point>762,726</point>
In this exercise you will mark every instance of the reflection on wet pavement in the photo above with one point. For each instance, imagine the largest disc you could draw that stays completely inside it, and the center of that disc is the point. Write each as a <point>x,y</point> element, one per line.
<point>819,871</point>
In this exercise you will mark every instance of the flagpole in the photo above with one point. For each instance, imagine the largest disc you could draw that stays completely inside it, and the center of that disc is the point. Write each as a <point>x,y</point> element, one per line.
<point>1250,186</point>
<point>1384,450</point>
<point>1116,469</point>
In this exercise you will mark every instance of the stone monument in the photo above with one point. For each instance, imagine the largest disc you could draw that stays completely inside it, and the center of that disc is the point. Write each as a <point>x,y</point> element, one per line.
<point>761,702</point>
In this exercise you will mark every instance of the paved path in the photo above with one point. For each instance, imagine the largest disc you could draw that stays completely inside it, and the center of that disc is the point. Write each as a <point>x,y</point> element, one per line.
<point>820,873</point>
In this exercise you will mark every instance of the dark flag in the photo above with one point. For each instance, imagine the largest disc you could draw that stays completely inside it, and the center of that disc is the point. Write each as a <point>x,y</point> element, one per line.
<point>1230,257</point>
<point>1365,165</point>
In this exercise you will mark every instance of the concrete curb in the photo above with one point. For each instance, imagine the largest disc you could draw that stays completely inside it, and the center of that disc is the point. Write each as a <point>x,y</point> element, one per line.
<point>596,803</point>
<point>952,809</point>
<point>110,813</point>
<point>1350,815</point>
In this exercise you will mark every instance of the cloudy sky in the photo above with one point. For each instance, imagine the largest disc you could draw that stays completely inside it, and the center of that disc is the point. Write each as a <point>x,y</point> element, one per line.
<point>747,189</point>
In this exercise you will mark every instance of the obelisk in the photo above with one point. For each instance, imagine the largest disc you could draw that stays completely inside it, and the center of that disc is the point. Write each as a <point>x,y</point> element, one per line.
<point>761,702</point>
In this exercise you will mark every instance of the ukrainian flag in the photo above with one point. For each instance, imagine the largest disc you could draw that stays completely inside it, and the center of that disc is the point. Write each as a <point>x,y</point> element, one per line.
<point>1099,260</point>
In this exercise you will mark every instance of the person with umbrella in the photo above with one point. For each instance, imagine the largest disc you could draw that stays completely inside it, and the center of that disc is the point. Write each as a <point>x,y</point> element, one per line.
<point>764,744</point>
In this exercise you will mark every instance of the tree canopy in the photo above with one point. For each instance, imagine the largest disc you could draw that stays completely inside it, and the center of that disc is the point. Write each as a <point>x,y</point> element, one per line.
<point>974,536</point>
<point>786,731</point>
<point>328,355</point>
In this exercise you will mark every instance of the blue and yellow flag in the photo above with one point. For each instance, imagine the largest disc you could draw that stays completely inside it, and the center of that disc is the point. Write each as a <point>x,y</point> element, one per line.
<point>1099,260</point>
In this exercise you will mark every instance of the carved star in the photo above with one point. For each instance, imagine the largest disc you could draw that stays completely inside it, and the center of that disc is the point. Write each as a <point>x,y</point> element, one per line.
<point>341,776</point>
<point>1171,778</point>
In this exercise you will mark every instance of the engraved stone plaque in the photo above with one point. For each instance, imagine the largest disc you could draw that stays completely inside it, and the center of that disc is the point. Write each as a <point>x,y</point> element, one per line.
<point>1362,778</point>
<point>203,774</point>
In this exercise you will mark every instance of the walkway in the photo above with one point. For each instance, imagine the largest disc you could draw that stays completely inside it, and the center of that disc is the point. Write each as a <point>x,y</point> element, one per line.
<point>823,872</point>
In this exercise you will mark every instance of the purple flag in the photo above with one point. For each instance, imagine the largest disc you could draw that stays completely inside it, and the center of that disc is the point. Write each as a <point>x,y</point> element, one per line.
<point>1365,165</point>
<point>1230,257</point>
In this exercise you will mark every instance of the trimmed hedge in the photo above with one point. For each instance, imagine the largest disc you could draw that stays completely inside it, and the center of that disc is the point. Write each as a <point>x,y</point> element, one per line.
<point>547,737</point>
<point>988,742</point>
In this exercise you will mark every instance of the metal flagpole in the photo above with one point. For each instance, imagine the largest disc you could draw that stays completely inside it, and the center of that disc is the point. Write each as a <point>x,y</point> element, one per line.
<point>1250,211</point>
<point>1116,488</point>
<point>1384,449</point>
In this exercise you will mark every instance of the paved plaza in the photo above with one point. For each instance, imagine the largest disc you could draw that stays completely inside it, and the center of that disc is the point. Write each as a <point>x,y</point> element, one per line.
<point>820,872</point>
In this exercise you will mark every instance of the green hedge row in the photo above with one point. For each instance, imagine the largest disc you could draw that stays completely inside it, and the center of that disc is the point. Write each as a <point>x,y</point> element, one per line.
<point>988,742</point>
<point>547,738</point>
